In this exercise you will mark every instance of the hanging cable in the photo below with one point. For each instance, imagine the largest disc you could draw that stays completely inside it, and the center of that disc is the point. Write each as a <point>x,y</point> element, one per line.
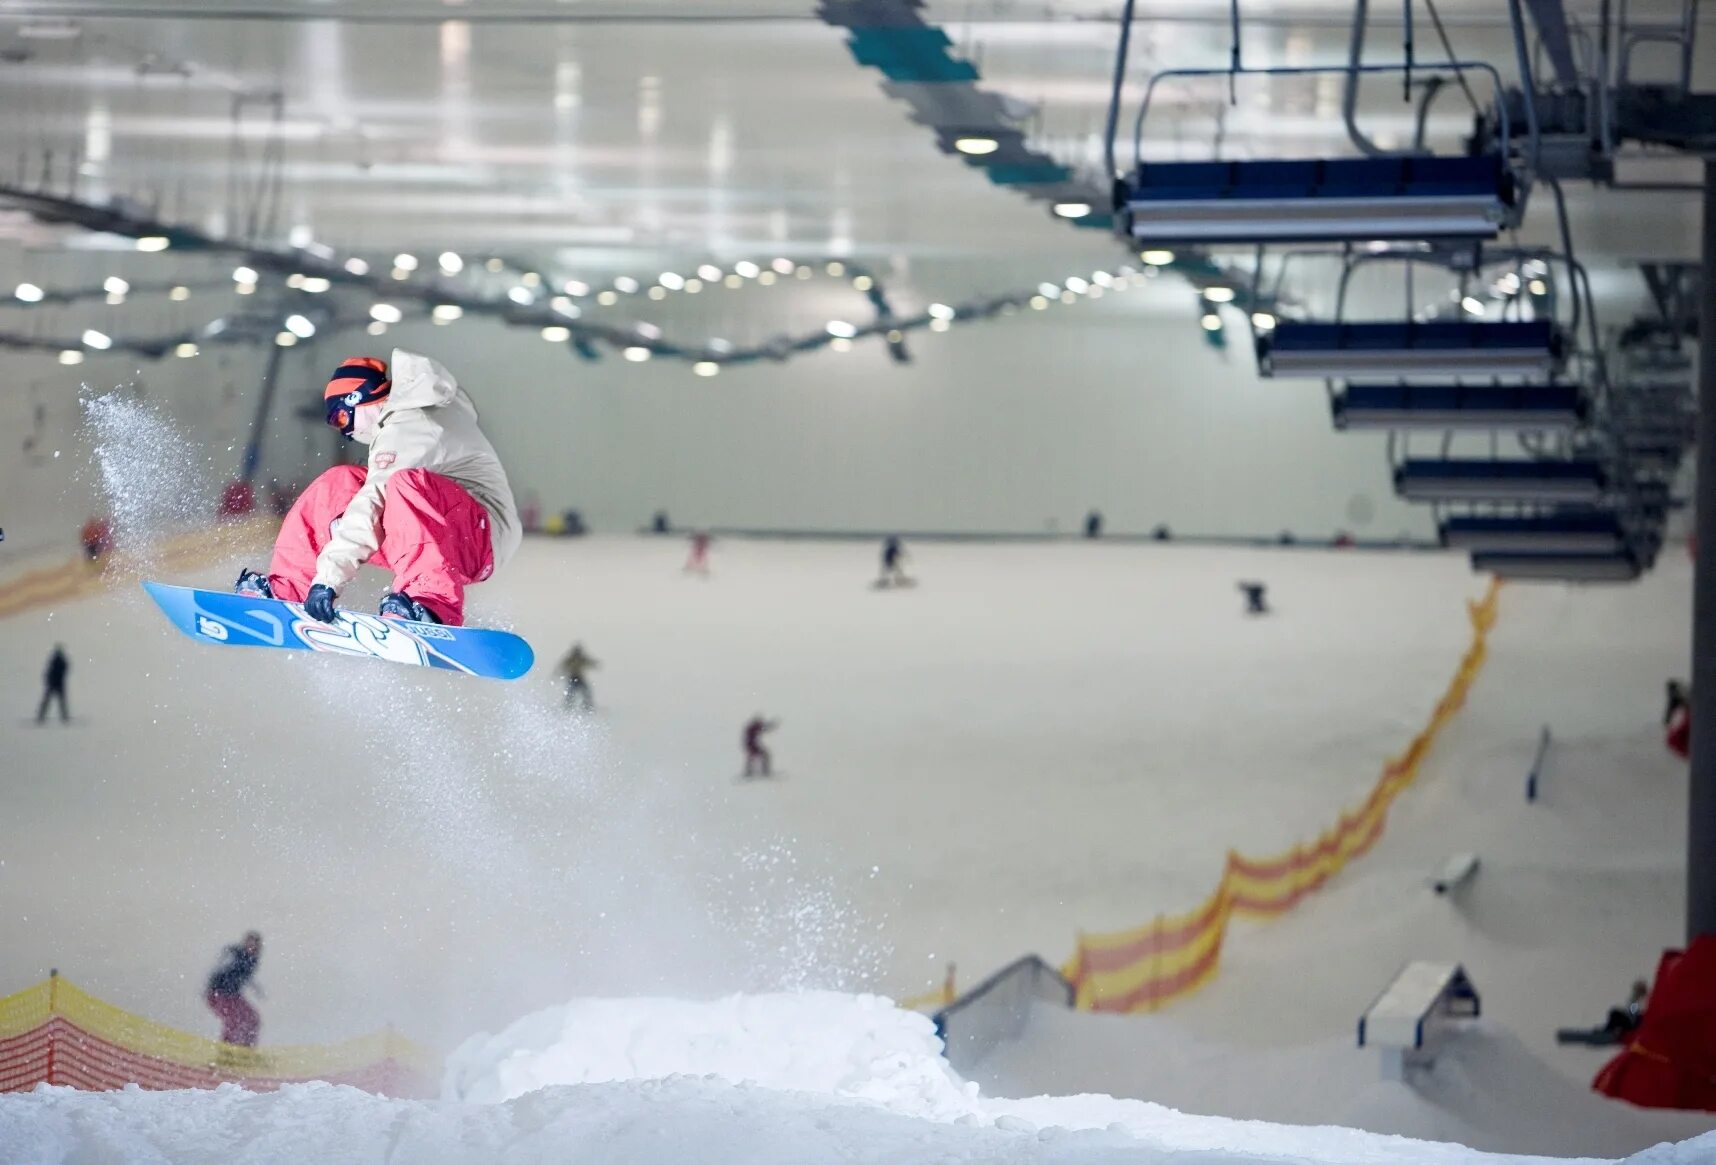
<point>1448,47</point>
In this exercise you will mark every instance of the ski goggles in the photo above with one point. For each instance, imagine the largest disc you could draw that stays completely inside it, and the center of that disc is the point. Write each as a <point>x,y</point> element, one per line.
<point>357,381</point>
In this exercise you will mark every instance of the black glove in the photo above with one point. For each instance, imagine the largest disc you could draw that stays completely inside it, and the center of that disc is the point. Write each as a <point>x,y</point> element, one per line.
<point>319,603</point>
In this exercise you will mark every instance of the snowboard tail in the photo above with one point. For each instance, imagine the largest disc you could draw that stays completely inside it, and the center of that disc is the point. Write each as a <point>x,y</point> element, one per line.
<point>232,620</point>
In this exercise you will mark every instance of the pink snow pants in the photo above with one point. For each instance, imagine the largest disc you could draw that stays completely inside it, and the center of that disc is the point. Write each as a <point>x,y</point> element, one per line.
<point>434,537</point>
<point>239,1023</point>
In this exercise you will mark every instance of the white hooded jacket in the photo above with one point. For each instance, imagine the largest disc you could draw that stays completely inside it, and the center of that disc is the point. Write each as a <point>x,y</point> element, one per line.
<point>427,422</point>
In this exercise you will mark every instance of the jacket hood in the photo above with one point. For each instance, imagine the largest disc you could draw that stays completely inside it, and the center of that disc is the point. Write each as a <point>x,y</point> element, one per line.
<point>419,382</point>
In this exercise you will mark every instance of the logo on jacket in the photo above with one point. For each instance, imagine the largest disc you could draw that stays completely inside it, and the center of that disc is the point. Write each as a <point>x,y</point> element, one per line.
<point>383,460</point>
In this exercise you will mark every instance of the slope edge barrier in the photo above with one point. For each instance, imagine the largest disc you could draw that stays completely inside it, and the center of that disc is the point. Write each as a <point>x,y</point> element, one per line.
<point>78,577</point>
<point>1148,966</point>
<point>56,1033</point>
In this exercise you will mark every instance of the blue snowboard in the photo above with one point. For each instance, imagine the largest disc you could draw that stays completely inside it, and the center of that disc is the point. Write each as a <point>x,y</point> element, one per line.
<point>232,620</point>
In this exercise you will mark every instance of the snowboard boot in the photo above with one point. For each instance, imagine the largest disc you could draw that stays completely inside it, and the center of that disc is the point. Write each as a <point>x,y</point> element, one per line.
<point>252,583</point>
<point>399,605</point>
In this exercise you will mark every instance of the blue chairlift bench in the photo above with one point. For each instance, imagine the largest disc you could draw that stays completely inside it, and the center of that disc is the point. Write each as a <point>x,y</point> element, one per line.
<point>1526,566</point>
<point>1483,480</point>
<point>1459,406</point>
<point>1569,532</point>
<point>1529,348</point>
<point>1329,200</point>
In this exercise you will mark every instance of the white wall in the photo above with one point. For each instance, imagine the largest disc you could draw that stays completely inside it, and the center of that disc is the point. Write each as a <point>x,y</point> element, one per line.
<point>1000,426</point>
<point>1005,426</point>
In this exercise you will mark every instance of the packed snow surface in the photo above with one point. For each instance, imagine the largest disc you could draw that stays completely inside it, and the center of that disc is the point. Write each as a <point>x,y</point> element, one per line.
<point>809,1077</point>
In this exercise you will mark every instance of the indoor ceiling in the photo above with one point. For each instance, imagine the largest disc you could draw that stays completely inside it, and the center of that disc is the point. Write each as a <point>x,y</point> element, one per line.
<point>635,135</point>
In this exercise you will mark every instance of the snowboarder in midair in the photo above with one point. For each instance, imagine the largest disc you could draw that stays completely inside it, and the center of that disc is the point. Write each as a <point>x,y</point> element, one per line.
<point>757,758</point>
<point>54,685</point>
<point>433,505</point>
<point>239,1022</point>
<point>575,668</point>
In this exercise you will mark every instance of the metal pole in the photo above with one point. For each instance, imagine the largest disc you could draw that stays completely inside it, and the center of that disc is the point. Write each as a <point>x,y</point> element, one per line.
<point>1701,807</point>
<point>259,425</point>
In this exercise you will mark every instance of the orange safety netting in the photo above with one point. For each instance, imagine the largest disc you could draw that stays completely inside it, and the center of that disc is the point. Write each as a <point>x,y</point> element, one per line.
<point>54,1033</point>
<point>1145,967</point>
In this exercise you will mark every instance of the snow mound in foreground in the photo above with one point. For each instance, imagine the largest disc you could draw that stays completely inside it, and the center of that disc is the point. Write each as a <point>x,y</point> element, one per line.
<point>858,1047</point>
<point>758,1080</point>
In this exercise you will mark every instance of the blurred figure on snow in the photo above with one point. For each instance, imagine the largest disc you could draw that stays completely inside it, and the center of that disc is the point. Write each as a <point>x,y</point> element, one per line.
<point>576,668</point>
<point>1677,719</point>
<point>698,563</point>
<point>54,685</point>
<point>433,505</point>
<point>97,538</point>
<point>893,563</point>
<point>757,758</point>
<point>239,1022</point>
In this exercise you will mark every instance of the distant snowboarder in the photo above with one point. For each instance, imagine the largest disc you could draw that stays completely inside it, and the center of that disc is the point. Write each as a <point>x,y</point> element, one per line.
<point>698,563</point>
<point>239,1022</point>
<point>893,564</point>
<point>433,505</point>
<point>758,760</point>
<point>54,685</point>
<point>576,668</point>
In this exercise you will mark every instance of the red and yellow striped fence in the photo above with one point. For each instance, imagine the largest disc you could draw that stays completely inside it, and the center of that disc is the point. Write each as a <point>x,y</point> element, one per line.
<point>54,1033</point>
<point>79,577</point>
<point>1148,966</point>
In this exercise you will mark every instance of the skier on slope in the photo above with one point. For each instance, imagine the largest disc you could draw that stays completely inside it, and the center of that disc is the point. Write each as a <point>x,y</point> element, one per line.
<point>239,1022</point>
<point>433,505</point>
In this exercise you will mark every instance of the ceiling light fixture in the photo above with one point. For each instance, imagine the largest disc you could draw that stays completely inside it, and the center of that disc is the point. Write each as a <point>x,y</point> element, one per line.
<point>608,298</point>
<point>1473,305</point>
<point>766,278</point>
<point>357,266</point>
<point>244,275</point>
<point>300,326</point>
<point>637,355</point>
<point>939,325</point>
<point>671,281</point>
<point>745,269</point>
<point>1157,258</point>
<point>1211,322</point>
<point>840,344</point>
<point>521,296</point>
<point>386,313</point>
<point>29,293</point>
<point>940,311</point>
<point>836,268</point>
<point>179,294</point>
<point>693,286</point>
<point>405,262</point>
<point>1263,321</point>
<point>1039,302</point>
<point>376,328</point>
<point>285,339</point>
<point>658,293</point>
<point>451,263</point>
<point>446,313</point>
<point>782,266</point>
<point>1219,294</point>
<point>976,146</point>
<point>706,368</point>
<point>314,284</point>
<point>1072,209</point>
<point>574,288</point>
<point>709,273</point>
<point>841,329</point>
<point>97,340</point>
<point>185,351</point>
<point>626,285</point>
<point>1076,285</point>
<point>71,356</point>
<point>153,243</point>
<point>555,334</point>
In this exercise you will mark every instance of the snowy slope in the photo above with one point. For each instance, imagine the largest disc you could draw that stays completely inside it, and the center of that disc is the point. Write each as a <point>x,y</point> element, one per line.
<point>1038,738</point>
<point>1575,897</point>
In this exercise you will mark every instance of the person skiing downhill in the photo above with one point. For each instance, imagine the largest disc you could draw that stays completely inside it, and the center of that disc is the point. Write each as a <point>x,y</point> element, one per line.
<point>433,504</point>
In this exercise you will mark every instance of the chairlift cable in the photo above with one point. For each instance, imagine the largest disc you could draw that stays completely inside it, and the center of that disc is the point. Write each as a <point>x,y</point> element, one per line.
<point>1448,47</point>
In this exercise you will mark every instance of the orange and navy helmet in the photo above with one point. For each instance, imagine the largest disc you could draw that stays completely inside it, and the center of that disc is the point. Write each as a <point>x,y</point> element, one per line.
<point>358,380</point>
